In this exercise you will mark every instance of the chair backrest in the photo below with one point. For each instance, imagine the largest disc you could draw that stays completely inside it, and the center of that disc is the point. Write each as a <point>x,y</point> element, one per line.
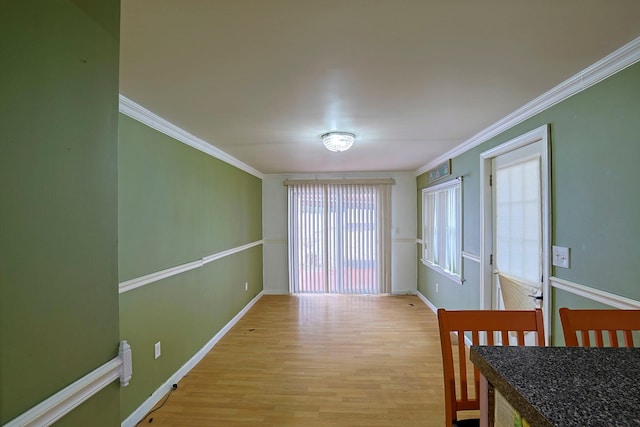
<point>599,324</point>
<point>484,327</point>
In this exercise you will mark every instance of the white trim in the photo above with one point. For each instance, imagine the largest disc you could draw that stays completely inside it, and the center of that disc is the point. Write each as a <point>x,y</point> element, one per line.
<point>232,251</point>
<point>594,294</point>
<point>470,256</point>
<point>137,415</point>
<point>55,407</point>
<point>534,135</point>
<point>427,302</point>
<point>141,114</point>
<point>440,186</point>
<point>276,292</point>
<point>458,279</point>
<point>620,59</point>
<point>403,292</point>
<point>163,274</point>
<point>158,275</point>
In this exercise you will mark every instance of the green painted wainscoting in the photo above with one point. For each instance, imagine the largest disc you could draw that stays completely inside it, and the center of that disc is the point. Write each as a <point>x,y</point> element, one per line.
<point>58,220</point>
<point>178,205</point>
<point>595,153</point>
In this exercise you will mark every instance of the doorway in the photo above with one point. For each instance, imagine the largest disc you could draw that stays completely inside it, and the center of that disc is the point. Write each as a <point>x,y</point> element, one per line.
<point>515,210</point>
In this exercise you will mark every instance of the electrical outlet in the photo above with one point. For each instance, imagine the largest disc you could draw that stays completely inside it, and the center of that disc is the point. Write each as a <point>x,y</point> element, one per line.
<point>437,288</point>
<point>246,286</point>
<point>157,350</point>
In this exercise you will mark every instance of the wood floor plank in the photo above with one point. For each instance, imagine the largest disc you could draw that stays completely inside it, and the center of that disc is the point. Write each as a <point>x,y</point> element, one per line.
<point>318,360</point>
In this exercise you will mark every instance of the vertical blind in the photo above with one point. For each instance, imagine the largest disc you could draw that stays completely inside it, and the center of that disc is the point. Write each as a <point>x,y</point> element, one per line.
<point>339,238</point>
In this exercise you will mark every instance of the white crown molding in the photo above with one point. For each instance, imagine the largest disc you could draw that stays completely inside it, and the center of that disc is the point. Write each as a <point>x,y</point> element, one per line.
<point>622,58</point>
<point>136,416</point>
<point>163,274</point>
<point>593,294</point>
<point>141,114</point>
<point>64,401</point>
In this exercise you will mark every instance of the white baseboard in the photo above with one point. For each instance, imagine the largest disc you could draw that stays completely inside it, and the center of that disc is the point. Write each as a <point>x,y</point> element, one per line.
<point>275,292</point>
<point>403,292</point>
<point>427,302</point>
<point>148,404</point>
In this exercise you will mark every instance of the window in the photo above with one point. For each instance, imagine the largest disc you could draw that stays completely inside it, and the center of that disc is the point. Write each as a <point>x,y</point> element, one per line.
<point>442,228</point>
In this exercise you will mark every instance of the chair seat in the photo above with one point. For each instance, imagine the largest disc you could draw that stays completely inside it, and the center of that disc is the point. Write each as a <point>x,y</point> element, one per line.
<point>472,422</point>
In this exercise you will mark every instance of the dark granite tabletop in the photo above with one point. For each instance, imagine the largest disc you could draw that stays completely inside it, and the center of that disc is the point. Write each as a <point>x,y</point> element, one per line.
<point>566,386</point>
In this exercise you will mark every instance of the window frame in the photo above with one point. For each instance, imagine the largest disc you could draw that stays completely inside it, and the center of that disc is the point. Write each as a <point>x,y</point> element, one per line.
<point>428,230</point>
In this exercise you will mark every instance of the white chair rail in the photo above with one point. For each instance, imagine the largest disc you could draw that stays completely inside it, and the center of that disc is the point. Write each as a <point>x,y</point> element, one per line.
<point>57,406</point>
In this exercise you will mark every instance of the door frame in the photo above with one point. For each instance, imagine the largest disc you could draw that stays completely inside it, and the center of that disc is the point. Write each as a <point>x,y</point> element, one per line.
<point>486,218</point>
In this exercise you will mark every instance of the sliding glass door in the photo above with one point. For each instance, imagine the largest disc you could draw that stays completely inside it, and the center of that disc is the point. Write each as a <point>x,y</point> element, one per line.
<point>339,238</point>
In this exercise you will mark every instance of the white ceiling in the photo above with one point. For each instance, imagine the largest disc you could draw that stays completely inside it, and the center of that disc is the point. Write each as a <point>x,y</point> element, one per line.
<point>262,79</point>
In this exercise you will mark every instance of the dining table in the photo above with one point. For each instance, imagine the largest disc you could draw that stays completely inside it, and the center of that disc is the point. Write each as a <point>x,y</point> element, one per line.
<point>561,386</point>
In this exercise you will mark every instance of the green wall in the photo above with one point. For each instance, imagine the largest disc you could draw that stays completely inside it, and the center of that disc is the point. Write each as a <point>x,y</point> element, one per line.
<point>178,205</point>
<point>595,150</point>
<point>58,220</point>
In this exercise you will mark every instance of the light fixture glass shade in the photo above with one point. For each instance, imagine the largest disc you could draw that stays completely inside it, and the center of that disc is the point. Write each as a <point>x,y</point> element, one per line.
<point>338,141</point>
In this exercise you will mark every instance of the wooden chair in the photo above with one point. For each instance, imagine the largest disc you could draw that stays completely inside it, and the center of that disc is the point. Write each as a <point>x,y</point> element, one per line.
<point>485,327</point>
<point>599,323</point>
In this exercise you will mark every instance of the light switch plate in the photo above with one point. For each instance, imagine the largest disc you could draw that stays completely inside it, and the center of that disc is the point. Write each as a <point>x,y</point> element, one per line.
<point>561,257</point>
<point>157,350</point>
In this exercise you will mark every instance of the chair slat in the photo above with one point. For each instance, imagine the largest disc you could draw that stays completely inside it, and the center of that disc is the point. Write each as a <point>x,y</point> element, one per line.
<point>505,337</point>
<point>586,341</point>
<point>599,323</point>
<point>462,361</point>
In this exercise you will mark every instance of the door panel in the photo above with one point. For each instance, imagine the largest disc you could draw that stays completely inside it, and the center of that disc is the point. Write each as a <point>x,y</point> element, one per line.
<point>517,228</point>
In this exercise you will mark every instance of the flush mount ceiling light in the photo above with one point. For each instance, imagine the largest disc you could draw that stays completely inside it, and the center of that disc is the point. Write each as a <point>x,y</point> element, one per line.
<point>338,141</point>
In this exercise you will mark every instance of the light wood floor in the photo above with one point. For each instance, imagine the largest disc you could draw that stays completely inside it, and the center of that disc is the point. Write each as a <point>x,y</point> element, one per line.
<point>318,361</point>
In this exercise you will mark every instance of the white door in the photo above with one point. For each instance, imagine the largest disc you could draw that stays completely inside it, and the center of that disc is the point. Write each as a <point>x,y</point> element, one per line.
<point>517,227</point>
